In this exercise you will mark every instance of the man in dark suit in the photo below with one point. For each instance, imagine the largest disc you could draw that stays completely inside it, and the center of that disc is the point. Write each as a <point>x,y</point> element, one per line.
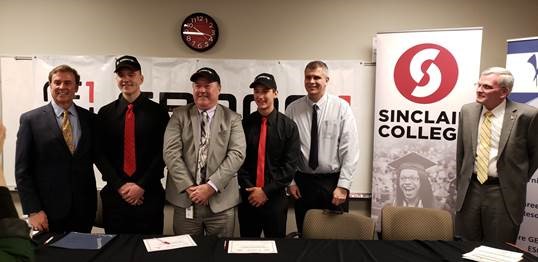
<point>204,146</point>
<point>54,161</point>
<point>496,156</point>
<point>271,162</point>
<point>131,131</point>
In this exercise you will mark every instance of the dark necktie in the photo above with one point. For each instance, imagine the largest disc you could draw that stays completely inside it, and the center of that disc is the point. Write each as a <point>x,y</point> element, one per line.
<point>129,154</point>
<point>260,169</point>
<point>204,146</point>
<point>313,158</point>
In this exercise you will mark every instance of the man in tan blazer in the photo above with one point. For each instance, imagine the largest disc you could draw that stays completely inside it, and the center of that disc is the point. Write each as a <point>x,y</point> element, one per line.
<point>491,193</point>
<point>204,147</point>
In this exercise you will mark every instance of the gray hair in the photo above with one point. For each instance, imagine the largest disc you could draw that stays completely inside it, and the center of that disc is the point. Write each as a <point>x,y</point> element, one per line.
<point>317,64</point>
<point>506,79</point>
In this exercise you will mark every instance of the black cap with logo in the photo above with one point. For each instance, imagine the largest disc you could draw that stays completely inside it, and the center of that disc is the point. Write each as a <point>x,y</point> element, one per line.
<point>127,61</point>
<point>264,79</point>
<point>208,73</point>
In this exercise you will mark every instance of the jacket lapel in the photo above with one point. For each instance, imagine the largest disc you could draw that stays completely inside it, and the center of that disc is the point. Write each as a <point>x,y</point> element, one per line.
<point>50,120</point>
<point>474,116</point>
<point>84,129</point>
<point>195,120</point>
<point>214,129</point>
<point>510,116</point>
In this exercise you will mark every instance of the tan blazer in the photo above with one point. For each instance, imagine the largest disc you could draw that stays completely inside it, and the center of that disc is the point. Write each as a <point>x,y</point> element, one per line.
<point>518,156</point>
<point>225,155</point>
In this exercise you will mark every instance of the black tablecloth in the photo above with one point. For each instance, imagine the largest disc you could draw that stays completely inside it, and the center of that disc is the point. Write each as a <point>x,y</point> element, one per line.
<point>131,248</point>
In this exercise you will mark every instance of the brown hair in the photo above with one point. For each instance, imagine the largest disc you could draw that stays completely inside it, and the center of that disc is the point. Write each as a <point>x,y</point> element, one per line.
<point>65,68</point>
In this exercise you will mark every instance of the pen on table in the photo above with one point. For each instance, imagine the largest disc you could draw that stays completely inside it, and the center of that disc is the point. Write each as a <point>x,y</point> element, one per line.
<point>164,242</point>
<point>225,244</point>
<point>48,240</point>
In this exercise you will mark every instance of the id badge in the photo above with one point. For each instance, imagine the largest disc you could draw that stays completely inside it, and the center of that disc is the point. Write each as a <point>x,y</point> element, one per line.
<point>189,212</point>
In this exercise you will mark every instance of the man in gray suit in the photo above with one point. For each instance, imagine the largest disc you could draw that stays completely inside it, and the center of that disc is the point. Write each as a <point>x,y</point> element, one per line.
<point>496,156</point>
<point>204,147</point>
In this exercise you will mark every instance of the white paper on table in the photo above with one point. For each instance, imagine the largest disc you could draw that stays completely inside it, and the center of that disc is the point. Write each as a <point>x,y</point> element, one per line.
<point>252,247</point>
<point>166,243</point>
<point>484,253</point>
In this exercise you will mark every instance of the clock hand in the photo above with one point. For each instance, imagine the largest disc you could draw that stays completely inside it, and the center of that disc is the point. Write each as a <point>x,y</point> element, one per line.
<point>203,34</point>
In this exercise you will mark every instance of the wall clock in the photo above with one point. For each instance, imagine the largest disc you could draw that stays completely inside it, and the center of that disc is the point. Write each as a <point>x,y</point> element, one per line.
<point>199,31</point>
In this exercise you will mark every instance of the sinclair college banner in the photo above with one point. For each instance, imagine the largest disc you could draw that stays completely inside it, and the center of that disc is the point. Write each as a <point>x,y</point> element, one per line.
<point>422,80</point>
<point>166,81</point>
<point>521,61</point>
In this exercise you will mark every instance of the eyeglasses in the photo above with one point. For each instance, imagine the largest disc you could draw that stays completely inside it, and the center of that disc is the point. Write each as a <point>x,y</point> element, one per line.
<point>483,86</point>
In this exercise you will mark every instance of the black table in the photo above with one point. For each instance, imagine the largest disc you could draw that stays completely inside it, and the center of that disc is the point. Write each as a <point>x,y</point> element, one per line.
<point>131,248</point>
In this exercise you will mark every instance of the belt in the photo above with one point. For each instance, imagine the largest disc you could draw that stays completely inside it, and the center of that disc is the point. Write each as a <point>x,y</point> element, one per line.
<point>318,174</point>
<point>490,181</point>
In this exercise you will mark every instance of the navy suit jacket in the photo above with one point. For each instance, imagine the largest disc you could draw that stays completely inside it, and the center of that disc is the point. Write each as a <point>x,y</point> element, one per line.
<point>48,176</point>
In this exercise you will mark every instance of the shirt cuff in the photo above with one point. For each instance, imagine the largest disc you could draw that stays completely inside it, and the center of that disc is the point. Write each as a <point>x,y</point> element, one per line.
<point>213,185</point>
<point>292,183</point>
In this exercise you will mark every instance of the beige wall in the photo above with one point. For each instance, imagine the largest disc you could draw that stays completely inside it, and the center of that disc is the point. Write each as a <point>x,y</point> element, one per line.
<point>251,29</point>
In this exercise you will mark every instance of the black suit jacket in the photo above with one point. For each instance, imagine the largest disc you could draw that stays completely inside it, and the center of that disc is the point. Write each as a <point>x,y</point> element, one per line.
<point>150,122</point>
<point>48,176</point>
<point>281,153</point>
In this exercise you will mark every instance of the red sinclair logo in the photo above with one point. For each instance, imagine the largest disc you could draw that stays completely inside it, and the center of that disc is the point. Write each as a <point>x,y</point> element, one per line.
<point>426,73</point>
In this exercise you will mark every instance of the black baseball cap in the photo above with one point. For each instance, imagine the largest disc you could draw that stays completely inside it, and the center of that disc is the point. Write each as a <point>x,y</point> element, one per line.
<point>207,73</point>
<point>127,61</point>
<point>264,79</point>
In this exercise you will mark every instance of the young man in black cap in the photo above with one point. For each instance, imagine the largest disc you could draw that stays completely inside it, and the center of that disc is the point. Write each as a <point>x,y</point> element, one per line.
<point>130,156</point>
<point>204,146</point>
<point>272,151</point>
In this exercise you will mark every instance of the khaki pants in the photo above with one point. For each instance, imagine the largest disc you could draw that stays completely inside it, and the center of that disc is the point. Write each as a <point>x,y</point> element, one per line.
<point>205,222</point>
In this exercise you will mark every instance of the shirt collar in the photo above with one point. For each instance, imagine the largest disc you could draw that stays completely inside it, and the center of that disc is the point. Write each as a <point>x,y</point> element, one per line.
<point>498,110</point>
<point>270,118</point>
<point>321,102</point>
<point>58,110</point>
<point>210,111</point>
<point>124,103</point>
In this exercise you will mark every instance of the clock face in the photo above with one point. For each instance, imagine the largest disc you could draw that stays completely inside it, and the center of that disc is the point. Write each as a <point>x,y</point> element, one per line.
<point>199,32</point>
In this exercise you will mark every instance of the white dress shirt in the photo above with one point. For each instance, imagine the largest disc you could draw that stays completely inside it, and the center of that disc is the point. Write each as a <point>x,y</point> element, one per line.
<point>496,128</point>
<point>338,137</point>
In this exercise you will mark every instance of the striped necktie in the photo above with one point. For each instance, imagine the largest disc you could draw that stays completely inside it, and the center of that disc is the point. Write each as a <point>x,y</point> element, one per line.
<point>482,154</point>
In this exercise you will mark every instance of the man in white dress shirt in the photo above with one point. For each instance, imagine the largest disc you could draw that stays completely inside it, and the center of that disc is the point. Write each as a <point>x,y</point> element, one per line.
<point>329,146</point>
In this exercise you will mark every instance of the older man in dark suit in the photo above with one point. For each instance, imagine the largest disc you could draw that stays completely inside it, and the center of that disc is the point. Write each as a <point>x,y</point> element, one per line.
<point>54,163</point>
<point>496,156</point>
<point>204,147</point>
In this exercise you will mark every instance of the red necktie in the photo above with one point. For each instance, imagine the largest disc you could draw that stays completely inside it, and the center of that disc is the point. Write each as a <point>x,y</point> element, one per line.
<point>260,169</point>
<point>129,155</point>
